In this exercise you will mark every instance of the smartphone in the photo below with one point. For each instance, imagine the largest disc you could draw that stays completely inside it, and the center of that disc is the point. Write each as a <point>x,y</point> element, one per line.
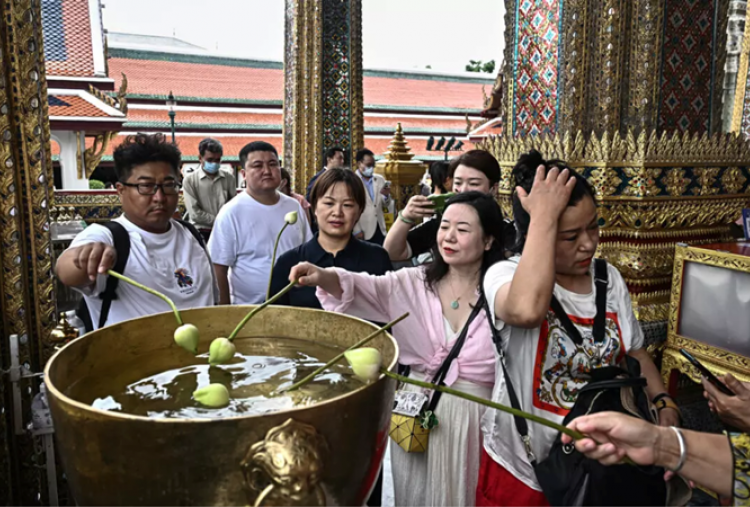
<point>438,200</point>
<point>706,373</point>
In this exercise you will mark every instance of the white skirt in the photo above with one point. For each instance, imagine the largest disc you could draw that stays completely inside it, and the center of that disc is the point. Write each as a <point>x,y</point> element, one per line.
<point>446,474</point>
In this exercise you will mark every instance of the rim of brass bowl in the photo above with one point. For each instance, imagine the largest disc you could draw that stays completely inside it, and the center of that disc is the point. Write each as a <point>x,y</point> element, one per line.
<point>52,388</point>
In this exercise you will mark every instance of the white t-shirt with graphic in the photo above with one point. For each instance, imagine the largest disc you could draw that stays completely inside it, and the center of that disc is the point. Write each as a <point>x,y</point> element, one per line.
<point>543,364</point>
<point>172,263</point>
<point>243,237</point>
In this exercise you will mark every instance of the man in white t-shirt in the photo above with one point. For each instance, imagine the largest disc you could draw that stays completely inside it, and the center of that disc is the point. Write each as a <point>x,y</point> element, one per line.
<point>164,254</point>
<point>245,229</point>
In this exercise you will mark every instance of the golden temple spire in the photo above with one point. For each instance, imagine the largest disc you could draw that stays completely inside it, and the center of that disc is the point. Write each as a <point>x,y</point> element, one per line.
<point>399,148</point>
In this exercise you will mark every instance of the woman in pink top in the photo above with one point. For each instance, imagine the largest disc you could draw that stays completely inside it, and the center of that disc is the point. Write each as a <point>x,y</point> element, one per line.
<point>439,297</point>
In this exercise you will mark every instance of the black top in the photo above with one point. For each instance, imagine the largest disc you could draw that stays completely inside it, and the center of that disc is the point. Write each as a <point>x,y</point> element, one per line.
<point>358,256</point>
<point>423,237</point>
<point>312,182</point>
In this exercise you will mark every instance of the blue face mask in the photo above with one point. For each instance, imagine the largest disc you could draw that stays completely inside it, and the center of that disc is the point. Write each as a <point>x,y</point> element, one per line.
<point>368,171</point>
<point>211,167</point>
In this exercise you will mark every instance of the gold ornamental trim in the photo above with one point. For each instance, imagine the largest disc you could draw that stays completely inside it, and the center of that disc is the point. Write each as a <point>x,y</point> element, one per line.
<point>634,149</point>
<point>716,359</point>
<point>740,90</point>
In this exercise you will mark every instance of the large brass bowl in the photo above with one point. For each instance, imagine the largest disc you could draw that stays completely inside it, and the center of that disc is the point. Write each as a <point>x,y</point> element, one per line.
<point>328,453</point>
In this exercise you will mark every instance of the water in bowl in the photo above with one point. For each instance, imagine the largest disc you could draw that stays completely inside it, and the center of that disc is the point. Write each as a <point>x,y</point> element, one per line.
<point>159,386</point>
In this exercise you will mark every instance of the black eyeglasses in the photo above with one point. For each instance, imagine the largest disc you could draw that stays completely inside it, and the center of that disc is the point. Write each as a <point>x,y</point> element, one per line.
<point>168,188</point>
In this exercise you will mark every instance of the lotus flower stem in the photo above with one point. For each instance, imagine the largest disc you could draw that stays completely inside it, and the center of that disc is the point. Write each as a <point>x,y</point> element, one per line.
<point>150,291</point>
<point>487,403</point>
<point>273,260</point>
<point>341,356</point>
<point>259,308</point>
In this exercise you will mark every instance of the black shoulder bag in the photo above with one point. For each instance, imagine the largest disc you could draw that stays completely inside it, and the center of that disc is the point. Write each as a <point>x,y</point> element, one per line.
<point>567,477</point>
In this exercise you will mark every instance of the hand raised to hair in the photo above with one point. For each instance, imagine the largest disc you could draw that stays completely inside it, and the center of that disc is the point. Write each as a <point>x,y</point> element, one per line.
<point>549,194</point>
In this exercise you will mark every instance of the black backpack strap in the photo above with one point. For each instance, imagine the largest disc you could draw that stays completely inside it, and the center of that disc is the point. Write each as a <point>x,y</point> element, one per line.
<point>600,284</point>
<point>197,235</point>
<point>122,249</point>
<point>440,375</point>
<point>522,426</point>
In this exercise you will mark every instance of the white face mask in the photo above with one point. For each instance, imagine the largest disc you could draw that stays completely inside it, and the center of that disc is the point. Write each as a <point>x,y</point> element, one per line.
<point>367,172</point>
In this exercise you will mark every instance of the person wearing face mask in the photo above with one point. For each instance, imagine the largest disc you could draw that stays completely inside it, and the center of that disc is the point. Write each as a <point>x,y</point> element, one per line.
<point>371,225</point>
<point>209,188</point>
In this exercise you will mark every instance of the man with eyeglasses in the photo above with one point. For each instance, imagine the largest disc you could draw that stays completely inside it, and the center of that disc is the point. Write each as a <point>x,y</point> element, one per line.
<point>163,253</point>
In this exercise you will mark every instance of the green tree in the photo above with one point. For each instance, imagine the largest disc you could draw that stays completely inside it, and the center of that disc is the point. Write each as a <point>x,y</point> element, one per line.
<point>480,66</point>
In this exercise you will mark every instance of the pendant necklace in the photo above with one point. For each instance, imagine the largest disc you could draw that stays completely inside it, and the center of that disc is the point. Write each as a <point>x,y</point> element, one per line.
<point>455,303</point>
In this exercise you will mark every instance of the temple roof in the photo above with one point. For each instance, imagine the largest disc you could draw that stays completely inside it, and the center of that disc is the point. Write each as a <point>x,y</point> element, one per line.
<point>191,77</point>
<point>70,49</point>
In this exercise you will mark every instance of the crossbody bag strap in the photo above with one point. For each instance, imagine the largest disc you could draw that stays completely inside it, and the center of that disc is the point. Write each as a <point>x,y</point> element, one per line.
<point>522,426</point>
<point>442,372</point>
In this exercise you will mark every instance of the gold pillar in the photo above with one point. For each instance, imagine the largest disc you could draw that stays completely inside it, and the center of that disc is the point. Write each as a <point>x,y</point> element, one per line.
<point>400,169</point>
<point>653,192</point>
<point>323,83</point>
<point>27,303</point>
<point>629,93</point>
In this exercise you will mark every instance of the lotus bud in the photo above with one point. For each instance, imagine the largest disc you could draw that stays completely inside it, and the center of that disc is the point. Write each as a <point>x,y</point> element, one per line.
<point>365,363</point>
<point>221,351</point>
<point>291,218</point>
<point>186,336</point>
<point>212,396</point>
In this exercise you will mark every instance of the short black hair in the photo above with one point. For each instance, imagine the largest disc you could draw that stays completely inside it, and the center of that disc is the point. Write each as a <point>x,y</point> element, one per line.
<point>256,146</point>
<point>211,145</point>
<point>481,161</point>
<point>524,173</point>
<point>361,154</point>
<point>331,152</point>
<point>140,149</point>
<point>339,175</point>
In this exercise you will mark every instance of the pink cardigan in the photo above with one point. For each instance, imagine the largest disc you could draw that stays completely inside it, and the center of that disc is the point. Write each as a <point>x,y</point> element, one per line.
<point>421,336</point>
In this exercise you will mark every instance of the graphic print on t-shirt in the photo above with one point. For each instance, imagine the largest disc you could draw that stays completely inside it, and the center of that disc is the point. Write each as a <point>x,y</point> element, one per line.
<point>184,280</point>
<point>561,368</point>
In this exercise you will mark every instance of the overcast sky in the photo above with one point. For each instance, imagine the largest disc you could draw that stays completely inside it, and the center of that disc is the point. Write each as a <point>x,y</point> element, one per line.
<point>398,34</point>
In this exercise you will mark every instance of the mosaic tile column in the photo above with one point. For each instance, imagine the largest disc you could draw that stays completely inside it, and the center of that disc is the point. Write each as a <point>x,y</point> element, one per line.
<point>629,92</point>
<point>27,303</point>
<point>607,65</point>
<point>323,79</point>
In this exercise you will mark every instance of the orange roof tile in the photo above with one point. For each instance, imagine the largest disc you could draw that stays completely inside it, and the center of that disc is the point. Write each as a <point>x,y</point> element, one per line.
<point>72,105</point>
<point>151,77</point>
<point>67,38</point>
<point>159,119</point>
<point>417,92</point>
<point>204,80</point>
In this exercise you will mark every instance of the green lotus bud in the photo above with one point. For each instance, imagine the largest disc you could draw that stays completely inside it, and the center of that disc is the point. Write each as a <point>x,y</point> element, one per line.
<point>291,218</point>
<point>212,396</point>
<point>365,363</point>
<point>187,336</point>
<point>221,351</point>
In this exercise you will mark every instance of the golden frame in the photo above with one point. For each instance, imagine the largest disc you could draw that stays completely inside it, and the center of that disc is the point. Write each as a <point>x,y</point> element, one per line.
<point>718,360</point>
